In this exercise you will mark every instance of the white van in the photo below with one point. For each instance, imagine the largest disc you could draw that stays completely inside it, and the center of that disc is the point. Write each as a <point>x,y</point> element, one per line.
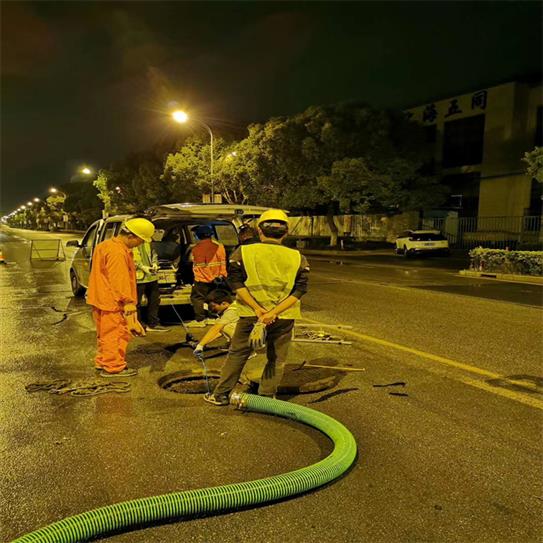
<point>175,286</point>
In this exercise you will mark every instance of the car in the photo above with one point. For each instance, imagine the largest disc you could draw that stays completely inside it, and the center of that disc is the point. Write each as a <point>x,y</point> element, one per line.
<point>418,242</point>
<point>175,285</point>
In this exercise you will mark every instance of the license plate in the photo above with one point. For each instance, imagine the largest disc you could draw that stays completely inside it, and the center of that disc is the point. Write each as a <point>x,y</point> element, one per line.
<point>430,244</point>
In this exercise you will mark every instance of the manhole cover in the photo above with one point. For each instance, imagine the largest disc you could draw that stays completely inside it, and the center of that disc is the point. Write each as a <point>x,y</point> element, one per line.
<point>189,383</point>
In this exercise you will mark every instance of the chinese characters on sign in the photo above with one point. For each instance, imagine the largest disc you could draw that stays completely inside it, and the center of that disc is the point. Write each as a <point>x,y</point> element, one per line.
<point>430,113</point>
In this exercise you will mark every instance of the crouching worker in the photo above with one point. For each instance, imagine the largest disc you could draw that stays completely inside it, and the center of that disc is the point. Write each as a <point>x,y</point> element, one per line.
<point>219,301</point>
<point>269,279</point>
<point>113,296</point>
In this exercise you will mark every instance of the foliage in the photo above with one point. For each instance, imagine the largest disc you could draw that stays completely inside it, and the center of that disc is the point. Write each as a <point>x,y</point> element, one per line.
<point>352,155</point>
<point>534,159</point>
<point>83,202</point>
<point>510,262</point>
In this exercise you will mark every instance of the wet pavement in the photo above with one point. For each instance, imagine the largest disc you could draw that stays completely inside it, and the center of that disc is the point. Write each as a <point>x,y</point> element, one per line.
<point>446,452</point>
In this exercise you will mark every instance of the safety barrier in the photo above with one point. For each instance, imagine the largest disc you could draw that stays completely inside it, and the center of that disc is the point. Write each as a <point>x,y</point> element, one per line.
<point>46,249</point>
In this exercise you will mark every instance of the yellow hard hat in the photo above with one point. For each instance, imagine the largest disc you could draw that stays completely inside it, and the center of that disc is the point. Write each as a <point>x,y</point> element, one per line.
<point>272,215</point>
<point>142,228</point>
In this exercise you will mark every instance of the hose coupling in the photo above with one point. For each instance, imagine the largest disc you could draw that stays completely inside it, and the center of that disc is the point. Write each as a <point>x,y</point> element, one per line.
<point>238,400</point>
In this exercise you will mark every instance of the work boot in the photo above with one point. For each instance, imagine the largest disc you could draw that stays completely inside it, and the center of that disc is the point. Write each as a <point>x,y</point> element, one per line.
<point>127,372</point>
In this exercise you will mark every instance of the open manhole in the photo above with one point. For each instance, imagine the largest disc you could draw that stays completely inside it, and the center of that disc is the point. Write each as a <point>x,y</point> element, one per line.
<point>185,382</point>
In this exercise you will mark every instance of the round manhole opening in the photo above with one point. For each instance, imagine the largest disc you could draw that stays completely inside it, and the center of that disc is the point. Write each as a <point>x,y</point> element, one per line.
<point>189,383</point>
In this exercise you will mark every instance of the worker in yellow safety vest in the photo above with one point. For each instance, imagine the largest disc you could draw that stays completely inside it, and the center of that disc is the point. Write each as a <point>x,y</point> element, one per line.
<point>269,279</point>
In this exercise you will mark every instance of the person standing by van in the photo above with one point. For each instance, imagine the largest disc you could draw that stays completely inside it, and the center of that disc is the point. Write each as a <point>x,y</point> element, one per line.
<point>209,268</point>
<point>146,261</point>
<point>113,296</point>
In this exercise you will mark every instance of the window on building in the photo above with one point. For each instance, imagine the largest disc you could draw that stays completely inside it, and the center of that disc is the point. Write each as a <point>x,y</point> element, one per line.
<point>464,195</point>
<point>463,141</point>
<point>539,127</point>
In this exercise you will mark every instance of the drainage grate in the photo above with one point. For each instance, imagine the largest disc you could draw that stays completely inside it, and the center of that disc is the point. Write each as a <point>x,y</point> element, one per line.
<point>189,383</point>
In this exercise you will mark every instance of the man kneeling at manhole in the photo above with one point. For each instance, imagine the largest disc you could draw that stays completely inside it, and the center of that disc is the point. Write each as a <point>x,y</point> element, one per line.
<point>269,279</point>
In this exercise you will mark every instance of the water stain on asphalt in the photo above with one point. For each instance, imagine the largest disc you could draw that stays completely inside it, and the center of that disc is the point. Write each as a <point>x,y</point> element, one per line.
<point>332,394</point>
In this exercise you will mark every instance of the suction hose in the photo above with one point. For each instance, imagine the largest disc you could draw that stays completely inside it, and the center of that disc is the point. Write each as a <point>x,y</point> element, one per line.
<point>135,513</point>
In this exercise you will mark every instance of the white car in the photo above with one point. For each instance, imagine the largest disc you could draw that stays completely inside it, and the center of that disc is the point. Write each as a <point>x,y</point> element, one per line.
<point>417,242</point>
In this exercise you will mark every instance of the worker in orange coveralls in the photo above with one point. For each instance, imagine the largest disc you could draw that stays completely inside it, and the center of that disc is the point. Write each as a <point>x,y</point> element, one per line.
<point>113,295</point>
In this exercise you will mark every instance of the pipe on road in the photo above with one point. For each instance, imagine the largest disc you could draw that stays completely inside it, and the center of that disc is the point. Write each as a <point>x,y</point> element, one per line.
<point>135,513</point>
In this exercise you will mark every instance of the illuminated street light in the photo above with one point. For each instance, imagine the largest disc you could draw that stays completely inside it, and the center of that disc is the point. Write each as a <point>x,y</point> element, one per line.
<point>36,199</point>
<point>29,204</point>
<point>86,171</point>
<point>182,117</point>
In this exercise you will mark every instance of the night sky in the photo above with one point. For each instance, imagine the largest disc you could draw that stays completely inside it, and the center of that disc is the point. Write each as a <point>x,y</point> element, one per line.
<point>88,82</point>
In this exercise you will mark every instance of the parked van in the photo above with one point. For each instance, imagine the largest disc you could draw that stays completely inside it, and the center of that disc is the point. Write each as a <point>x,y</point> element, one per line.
<point>175,281</point>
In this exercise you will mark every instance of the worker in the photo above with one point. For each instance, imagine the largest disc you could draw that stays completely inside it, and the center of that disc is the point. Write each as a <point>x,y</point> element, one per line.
<point>209,268</point>
<point>269,279</point>
<point>146,261</point>
<point>219,302</point>
<point>247,235</point>
<point>113,296</point>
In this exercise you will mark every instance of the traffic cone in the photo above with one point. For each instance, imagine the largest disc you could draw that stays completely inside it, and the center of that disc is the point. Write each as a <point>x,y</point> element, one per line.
<point>2,261</point>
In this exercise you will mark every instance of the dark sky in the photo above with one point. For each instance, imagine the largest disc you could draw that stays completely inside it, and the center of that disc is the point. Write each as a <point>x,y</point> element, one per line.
<point>87,82</point>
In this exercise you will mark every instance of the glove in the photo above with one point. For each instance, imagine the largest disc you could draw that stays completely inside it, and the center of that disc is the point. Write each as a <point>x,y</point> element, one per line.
<point>129,309</point>
<point>257,338</point>
<point>134,326</point>
<point>199,351</point>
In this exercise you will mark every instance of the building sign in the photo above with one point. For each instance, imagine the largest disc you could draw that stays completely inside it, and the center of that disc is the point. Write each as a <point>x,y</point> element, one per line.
<point>431,112</point>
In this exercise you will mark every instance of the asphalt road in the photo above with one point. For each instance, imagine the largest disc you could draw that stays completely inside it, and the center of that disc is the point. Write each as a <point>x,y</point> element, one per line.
<point>451,453</point>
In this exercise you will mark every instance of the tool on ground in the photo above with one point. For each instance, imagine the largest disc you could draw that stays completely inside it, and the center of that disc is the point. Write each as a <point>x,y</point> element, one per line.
<point>79,388</point>
<point>319,336</point>
<point>190,340</point>
<point>257,337</point>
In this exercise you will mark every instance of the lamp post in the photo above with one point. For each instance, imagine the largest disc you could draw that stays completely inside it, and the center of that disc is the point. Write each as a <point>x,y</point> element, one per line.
<point>182,117</point>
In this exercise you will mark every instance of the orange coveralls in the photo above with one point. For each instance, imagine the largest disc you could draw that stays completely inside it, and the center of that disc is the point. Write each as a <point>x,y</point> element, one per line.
<point>112,284</point>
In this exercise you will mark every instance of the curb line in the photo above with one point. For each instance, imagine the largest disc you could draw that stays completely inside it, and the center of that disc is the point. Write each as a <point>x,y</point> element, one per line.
<point>528,279</point>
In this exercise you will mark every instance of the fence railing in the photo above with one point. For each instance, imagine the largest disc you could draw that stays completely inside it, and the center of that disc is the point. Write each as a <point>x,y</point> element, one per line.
<point>462,232</point>
<point>496,232</point>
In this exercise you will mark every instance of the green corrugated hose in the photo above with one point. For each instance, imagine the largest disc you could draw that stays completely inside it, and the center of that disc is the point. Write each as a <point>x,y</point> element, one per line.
<point>143,511</point>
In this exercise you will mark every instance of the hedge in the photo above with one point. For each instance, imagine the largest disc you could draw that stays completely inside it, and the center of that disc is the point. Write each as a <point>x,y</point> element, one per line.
<point>501,261</point>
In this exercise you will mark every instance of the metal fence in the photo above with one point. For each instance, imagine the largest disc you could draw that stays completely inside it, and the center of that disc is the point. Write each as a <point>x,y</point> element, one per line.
<point>515,233</point>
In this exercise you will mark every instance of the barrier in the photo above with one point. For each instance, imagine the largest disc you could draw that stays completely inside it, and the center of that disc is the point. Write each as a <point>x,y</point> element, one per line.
<point>47,249</point>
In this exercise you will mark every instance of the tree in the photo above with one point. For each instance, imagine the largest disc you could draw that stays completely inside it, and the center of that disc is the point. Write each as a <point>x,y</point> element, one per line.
<point>82,202</point>
<point>346,156</point>
<point>534,159</point>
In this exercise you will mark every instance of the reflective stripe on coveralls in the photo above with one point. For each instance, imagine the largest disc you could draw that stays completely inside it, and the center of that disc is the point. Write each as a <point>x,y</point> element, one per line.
<point>271,272</point>
<point>209,261</point>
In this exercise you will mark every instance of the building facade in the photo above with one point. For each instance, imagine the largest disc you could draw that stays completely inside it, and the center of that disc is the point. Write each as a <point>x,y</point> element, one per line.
<point>480,139</point>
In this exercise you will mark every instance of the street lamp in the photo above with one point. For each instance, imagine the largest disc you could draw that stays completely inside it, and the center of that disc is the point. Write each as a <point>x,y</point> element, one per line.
<point>182,117</point>
<point>54,190</point>
<point>36,199</point>
<point>86,171</point>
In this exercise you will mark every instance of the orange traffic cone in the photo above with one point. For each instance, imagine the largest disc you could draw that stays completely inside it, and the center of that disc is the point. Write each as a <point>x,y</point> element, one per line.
<point>2,261</point>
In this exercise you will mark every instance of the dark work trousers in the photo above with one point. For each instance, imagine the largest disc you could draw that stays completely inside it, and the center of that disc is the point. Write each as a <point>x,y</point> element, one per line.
<point>153,301</point>
<point>198,296</point>
<point>278,338</point>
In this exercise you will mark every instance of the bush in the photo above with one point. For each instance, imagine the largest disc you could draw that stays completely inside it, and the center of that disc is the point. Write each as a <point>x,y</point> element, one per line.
<point>500,261</point>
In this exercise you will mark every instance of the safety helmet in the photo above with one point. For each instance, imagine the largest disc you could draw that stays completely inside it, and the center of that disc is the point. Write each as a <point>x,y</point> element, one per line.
<point>272,215</point>
<point>142,228</point>
<point>203,231</point>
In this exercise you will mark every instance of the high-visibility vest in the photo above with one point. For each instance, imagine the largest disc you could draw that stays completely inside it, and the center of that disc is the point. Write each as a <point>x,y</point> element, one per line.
<point>271,272</point>
<point>144,255</point>
<point>209,261</point>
